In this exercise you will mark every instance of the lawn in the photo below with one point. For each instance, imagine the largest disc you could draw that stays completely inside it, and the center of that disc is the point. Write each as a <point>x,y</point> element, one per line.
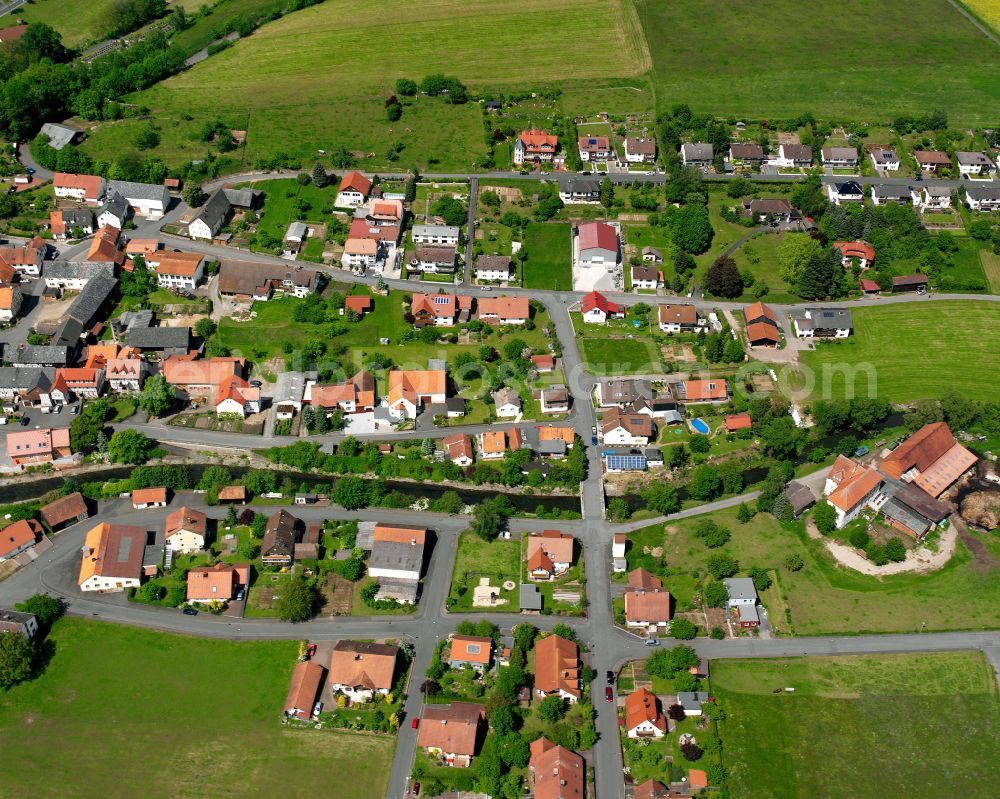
<point>620,356</point>
<point>760,256</point>
<point>304,84</point>
<point>910,351</point>
<point>203,717</point>
<point>550,256</point>
<point>823,598</point>
<point>77,23</point>
<point>498,559</point>
<point>922,725</point>
<point>283,200</point>
<point>729,63</point>
<point>991,268</point>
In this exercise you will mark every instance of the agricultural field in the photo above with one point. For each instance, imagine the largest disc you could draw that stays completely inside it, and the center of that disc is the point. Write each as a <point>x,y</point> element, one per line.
<point>702,60</point>
<point>550,256</point>
<point>987,10</point>
<point>212,703</point>
<point>873,718</point>
<point>911,351</point>
<point>304,85</point>
<point>77,23</point>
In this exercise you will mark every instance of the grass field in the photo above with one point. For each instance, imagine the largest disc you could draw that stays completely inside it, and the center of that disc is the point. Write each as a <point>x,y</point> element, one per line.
<point>738,60</point>
<point>604,356</point>
<point>921,726</point>
<point>305,84</point>
<point>825,599</point>
<point>550,255</point>
<point>192,717</point>
<point>77,23</point>
<point>280,204</point>
<point>499,560</point>
<point>991,268</point>
<point>914,351</point>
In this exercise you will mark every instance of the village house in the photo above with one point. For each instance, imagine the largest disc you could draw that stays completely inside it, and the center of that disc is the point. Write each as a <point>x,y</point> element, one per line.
<point>647,602</point>
<point>535,146</point>
<point>36,447</point>
<point>596,244</point>
<point>554,399</point>
<point>200,377</point>
<point>353,191</point>
<point>860,251</point>
<point>887,194</point>
<point>358,304</point>
<point>549,554</point>
<point>932,161</point>
<point>492,444</point>
<point>307,677</point>
<point>746,154</point>
<point>439,235</point>
<point>596,309</point>
<point>74,275</point>
<point>741,601</point>
<point>295,237</point>
<point>622,392</point>
<point>434,260</point>
<point>65,511</point>
<point>504,310</point>
<point>930,458</point>
<point>761,325</point>
<point>850,487</point>
<point>245,280</point>
<point>982,198</point>
<point>556,772</point>
<point>71,222</point>
<point>847,192</point>
<point>218,583</point>
<point>737,421</point>
<point>507,403</point>
<point>794,155</point>
<point>18,537</point>
<point>360,670</point>
<point>901,283</point>
<point>237,397</point>
<point>83,188</point>
<point>594,149</point>
<point>767,210</point>
<point>441,309</point>
<point>112,558</point>
<point>114,211</point>
<point>713,391</point>
<point>839,157</point>
<point>697,154</point>
<point>278,545</point>
<point>931,198</point>
<point>13,621</point>
<point>823,323</point>
<point>679,319</point>
<point>125,375</point>
<point>180,270</point>
<point>452,732</point>
<point>651,255</point>
<point>470,650</point>
<point>494,268</point>
<point>78,382</point>
<point>211,216</point>
<point>974,163</point>
<point>362,253</point>
<point>643,715</point>
<point>458,449</point>
<point>357,395</point>
<point>543,364</point>
<point>25,260</point>
<point>557,668</point>
<point>626,429</point>
<point>10,303</point>
<point>154,497</point>
<point>410,392</point>
<point>884,158</point>
<point>186,530</point>
<point>639,150</point>
<point>692,702</point>
<point>397,553</point>
<point>645,278</point>
<point>145,199</point>
<point>580,190</point>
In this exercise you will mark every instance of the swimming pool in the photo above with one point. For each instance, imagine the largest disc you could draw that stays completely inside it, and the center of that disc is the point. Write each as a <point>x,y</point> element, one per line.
<point>700,426</point>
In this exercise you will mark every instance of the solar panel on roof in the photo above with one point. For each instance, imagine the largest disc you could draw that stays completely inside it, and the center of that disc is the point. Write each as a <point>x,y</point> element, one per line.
<point>632,462</point>
<point>439,300</point>
<point>124,545</point>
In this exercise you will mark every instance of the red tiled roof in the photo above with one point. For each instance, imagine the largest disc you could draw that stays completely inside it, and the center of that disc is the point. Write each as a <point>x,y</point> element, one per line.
<point>869,285</point>
<point>557,666</point>
<point>355,181</point>
<point>642,705</point>
<point>558,772</point>
<point>19,534</point>
<point>597,234</point>
<point>597,300</point>
<point>738,421</point>
<point>856,249</point>
<point>705,389</point>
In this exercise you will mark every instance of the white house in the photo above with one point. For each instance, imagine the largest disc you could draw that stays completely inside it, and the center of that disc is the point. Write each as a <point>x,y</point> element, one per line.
<point>596,309</point>
<point>638,150</point>
<point>597,244</point>
<point>435,260</point>
<point>211,216</point>
<point>114,212</point>
<point>850,487</point>
<point>679,319</point>
<point>493,268</point>
<point>840,157</point>
<point>982,198</point>
<point>579,190</point>
<point>185,530</point>
<point>146,199</point>
<point>125,375</point>
<point>793,155</point>
<point>618,552</point>
<point>360,253</point>
<point>294,238</point>
<point>626,429</point>
<point>508,403</point>
<point>643,718</point>
<point>974,163</point>
<point>823,323</point>
<point>83,188</point>
<point>442,235</point>
<point>884,158</point>
<point>112,558</point>
<point>931,198</point>
<point>10,302</point>
<point>360,670</point>
<point>847,192</point>
<point>645,278</point>
<point>886,194</point>
<point>594,148</point>
<point>697,154</point>
<point>353,191</point>
<point>555,400</point>
<point>180,270</point>
<point>236,396</point>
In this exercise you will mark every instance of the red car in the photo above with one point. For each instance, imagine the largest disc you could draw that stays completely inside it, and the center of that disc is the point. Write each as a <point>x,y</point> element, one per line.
<point>312,649</point>
<point>415,723</point>
<point>609,694</point>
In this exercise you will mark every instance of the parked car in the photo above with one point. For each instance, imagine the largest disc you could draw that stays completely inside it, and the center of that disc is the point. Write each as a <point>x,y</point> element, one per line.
<point>653,642</point>
<point>415,723</point>
<point>312,649</point>
<point>25,421</point>
<point>611,677</point>
<point>256,383</point>
<point>190,612</point>
<point>240,595</point>
<point>416,789</point>
<point>317,708</point>
<point>74,410</point>
<point>609,695</point>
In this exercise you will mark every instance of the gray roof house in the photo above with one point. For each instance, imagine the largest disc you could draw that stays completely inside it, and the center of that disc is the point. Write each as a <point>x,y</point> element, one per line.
<point>58,273</point>
<point>211,216</point>
<point>886,193</point>
<point>799,497</point>
<point>530,598</point>
<point>244,198</point>
<point>692,701</point>
<point>392,559</point>
<point>140,191</point>
<point>115,205</point>
<point>741,591</point>
<point>169,340</point>
<point>61,135</point>
<point>40,355</point>
<point>697,153</point>
<point>17,381</point>
<point>90,299</point>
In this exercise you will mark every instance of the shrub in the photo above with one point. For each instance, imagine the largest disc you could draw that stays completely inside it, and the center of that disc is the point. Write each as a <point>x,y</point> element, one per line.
<point>683,629</point>
<point>794,562</point>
